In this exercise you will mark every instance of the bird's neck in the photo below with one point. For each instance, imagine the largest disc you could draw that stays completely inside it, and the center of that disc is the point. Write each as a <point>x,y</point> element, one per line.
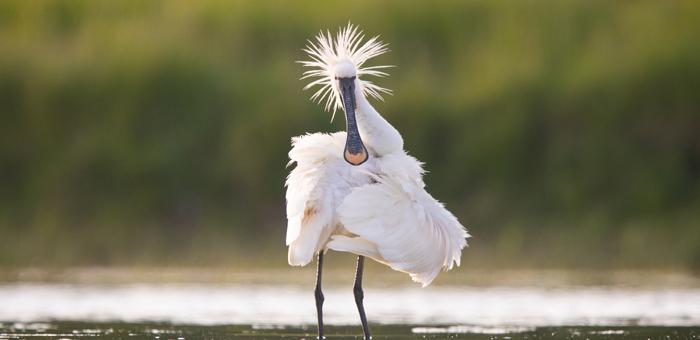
<point>379,136</point>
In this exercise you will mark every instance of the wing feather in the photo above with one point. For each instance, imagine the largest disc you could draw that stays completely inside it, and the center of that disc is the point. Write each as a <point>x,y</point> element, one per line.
<point>411,230</point>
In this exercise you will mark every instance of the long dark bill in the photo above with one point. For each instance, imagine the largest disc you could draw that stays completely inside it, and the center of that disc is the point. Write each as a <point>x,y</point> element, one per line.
<point>355,152</point>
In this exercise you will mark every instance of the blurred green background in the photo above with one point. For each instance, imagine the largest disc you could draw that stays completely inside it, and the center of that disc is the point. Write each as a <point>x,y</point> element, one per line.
<point>563,134</point>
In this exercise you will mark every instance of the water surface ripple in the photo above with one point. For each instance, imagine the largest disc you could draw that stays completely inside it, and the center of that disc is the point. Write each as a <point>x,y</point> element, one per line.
<point>213,304</point>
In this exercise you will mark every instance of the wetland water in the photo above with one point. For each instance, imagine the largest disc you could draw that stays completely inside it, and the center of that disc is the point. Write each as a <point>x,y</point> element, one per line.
<point>217,311</point>
<point>75,330</point>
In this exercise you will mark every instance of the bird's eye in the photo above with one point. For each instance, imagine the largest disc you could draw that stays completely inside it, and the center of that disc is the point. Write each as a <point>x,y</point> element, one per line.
<point>336,78</point>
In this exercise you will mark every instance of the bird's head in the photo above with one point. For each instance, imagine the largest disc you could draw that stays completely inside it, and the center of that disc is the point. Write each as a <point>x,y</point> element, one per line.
<point>344,68</point>
<point>337,67</point>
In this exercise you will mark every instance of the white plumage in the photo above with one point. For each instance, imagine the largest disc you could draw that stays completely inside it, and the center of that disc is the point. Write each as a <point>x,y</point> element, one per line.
<point>378,209</point>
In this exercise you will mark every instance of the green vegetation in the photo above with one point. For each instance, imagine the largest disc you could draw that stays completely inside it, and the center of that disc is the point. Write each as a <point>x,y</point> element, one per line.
<point>564,134</point>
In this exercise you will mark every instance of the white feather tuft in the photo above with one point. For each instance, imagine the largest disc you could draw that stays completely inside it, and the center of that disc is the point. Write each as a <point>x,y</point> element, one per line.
<point>348,46</point>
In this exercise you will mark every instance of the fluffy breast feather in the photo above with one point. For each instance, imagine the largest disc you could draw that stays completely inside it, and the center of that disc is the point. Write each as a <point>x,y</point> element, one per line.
<point>315,188</point>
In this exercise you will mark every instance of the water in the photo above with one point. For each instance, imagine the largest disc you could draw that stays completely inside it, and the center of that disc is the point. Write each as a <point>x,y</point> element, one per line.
<point>219,311</point>
<point>220,304</point>
<point>75,330</point>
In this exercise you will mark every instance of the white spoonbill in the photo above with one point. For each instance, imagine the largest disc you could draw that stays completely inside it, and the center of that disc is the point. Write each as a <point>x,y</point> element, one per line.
<point>359,191</point>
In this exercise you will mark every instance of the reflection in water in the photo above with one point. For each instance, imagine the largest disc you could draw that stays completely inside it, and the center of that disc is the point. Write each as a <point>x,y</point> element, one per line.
<point>291,305</point>
<point>73,330</point>
<point>472,329</point>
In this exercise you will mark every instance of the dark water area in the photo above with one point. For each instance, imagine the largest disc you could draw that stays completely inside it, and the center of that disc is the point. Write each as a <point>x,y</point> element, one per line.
<point>162,331</point>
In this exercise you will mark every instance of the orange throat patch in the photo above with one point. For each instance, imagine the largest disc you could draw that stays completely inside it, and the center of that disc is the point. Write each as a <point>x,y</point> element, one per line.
<point>356,158</point>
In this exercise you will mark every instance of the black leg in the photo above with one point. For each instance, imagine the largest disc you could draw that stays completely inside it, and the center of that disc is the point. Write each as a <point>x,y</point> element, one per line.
<point>359,295</point>
<point>319,295</point>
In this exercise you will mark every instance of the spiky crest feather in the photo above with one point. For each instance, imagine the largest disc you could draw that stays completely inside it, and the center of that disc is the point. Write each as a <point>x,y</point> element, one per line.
<point>348,45</point>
